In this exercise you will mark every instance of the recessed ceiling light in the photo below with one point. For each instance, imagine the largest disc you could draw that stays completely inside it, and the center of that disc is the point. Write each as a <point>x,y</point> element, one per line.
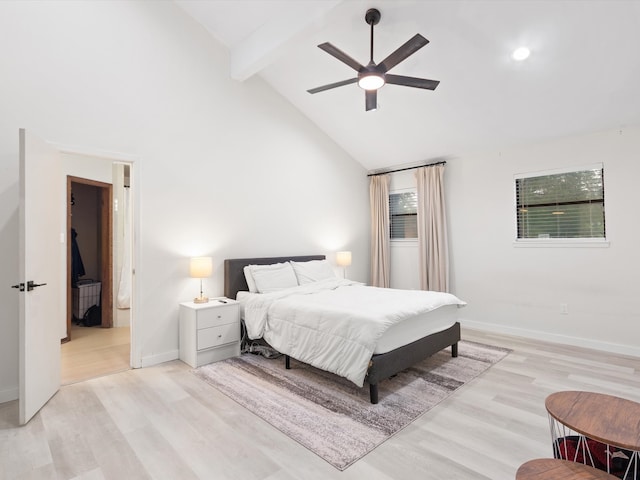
<point>521,53</point>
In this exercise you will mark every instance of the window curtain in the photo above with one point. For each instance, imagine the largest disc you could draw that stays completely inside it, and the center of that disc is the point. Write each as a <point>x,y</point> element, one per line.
<point>379,199</point>
<point>432,229</point>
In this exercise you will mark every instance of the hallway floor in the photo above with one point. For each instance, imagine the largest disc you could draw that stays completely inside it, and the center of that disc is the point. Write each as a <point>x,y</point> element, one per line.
<point>94,352</point>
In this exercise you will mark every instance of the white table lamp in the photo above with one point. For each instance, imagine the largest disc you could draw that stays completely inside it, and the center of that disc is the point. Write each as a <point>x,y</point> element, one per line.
<point>343,259</point>
<point>200,267</point>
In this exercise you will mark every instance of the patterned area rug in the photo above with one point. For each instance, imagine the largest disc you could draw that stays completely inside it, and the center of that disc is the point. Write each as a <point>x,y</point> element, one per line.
<point>331,416</point>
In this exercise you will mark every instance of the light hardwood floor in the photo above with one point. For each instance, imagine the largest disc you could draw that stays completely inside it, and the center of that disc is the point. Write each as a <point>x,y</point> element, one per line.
<point>164,423</point>
<point>94,352</point>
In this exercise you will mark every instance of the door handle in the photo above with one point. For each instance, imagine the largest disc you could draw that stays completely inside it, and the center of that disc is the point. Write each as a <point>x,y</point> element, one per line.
<point>31,285</point>
<point>19,286</point>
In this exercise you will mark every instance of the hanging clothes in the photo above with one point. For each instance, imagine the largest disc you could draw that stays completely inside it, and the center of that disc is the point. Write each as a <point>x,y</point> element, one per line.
<point>77,267</point>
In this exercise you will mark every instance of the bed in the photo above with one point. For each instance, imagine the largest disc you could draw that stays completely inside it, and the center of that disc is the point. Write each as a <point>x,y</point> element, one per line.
<point>398,351</point>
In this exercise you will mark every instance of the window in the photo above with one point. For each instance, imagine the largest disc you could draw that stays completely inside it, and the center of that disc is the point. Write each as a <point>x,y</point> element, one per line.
<point>403,215</point>
<point>564,205</point>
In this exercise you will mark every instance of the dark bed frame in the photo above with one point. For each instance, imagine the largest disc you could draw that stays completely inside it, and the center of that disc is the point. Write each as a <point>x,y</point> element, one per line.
<point>381,366</point>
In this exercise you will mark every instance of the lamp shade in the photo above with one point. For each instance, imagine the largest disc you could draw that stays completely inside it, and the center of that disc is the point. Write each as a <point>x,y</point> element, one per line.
<point>343,259</point>
<point>200,267</point>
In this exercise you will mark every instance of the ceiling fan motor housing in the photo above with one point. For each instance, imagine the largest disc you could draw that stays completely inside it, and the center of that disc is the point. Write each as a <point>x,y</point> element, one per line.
<point>372,17</point>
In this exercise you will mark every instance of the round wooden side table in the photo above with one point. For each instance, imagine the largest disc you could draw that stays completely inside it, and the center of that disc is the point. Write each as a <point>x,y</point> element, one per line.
<point>602,430</point>
<point>554,469</point>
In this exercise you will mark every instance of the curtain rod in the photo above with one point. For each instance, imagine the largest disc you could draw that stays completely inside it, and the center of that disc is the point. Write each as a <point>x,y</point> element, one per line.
<point>407,168</point>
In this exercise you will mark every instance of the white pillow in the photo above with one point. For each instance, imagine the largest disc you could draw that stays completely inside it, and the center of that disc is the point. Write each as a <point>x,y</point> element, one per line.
<point>312,271</point>
<point>249,278</point>
<point>270,278</point>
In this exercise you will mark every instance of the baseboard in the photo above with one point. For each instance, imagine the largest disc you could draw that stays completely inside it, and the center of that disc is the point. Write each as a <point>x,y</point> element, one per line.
<point>9,394</point>
<point>553,338</point>
<point>161,358</point>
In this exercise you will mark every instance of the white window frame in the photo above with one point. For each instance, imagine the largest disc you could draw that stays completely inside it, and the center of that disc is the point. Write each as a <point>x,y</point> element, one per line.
<point>555,242</point>
<point>403,242</point>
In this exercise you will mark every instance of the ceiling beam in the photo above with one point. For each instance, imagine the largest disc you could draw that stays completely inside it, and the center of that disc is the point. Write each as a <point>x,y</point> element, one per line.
<point>273,38</point>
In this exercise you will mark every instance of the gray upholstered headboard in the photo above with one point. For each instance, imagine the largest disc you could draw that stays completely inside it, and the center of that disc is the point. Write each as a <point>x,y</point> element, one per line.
<point>234,280</point>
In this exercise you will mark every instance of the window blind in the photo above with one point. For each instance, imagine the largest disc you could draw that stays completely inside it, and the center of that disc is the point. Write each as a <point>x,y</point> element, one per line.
<point>561,205</point>
<point>403,215</point>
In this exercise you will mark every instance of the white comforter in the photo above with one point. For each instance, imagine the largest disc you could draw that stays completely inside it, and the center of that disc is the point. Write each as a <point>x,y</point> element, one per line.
<point>335,324</point>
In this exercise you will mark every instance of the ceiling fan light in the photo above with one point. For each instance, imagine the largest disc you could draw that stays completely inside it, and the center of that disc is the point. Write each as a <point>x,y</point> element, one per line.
<point>371,81</point>
<point>521,54</point>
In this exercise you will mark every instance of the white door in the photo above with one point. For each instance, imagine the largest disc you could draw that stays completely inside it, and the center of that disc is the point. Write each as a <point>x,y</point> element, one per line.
<point>41,260</point>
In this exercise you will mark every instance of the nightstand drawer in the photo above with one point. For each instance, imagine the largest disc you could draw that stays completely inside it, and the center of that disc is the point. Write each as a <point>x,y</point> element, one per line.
<point>214,317</point>
<point>215,336</point>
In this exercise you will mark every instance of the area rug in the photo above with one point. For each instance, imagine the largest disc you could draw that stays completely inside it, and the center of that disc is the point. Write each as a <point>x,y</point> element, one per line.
<point>333,417</point>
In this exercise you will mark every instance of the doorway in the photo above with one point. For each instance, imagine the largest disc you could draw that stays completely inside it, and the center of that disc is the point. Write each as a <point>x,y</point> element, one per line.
<point>96,222</point>
<point>89,257</point>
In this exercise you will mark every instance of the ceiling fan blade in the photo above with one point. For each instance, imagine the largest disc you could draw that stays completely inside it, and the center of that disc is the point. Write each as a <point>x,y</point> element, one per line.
<point>332,85</point>
<point>410,47</point>
<point>411,81</point>
<point>371,100</point>
<point>340,55</point>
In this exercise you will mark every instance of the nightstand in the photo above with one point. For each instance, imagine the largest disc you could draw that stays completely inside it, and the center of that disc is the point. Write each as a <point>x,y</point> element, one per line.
<point>209,332</point>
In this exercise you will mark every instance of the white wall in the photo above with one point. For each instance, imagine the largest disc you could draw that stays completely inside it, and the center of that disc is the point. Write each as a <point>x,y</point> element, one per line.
<point>225,169</point>
<point>519,290</point>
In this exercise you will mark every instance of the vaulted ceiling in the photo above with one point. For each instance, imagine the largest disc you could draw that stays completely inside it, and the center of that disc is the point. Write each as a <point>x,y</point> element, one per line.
<point>583,73</point>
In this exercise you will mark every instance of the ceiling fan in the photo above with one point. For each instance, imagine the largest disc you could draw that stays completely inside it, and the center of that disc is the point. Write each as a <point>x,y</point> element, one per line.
<point>374,76</point>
